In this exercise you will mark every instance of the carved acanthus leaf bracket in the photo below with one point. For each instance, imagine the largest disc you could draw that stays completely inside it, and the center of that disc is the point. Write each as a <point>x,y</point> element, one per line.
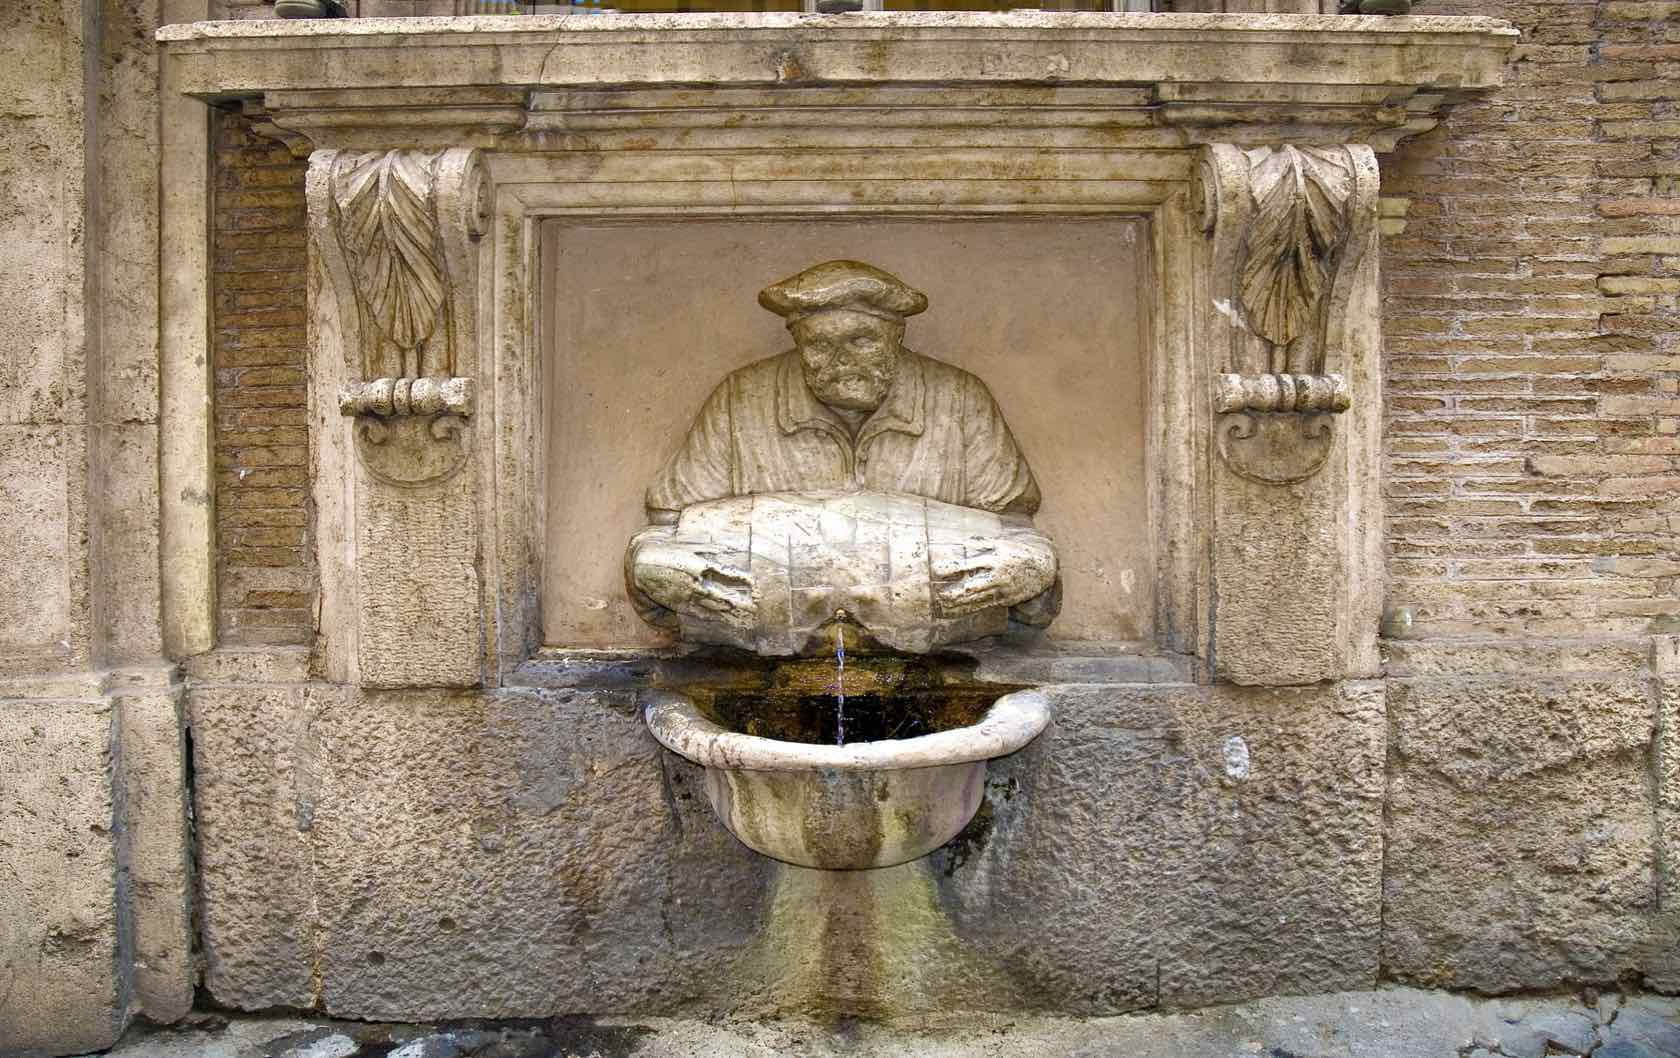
<point>1290,227</point>
<point>398,231</point>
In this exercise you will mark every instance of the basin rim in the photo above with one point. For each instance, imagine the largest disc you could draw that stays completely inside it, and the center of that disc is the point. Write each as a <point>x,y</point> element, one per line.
<point>1011,722</point>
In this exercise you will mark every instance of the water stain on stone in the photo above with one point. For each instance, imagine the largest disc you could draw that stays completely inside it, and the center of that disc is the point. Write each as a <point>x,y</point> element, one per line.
<point>969,842</point>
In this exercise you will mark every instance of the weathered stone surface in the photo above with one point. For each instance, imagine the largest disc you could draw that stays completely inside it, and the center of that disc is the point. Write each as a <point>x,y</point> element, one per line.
<point>529,852</point>
<point>1513,657</point>
<point>1294,391</point>
<point>1179,846</point>
<point>94,917</point>
<point>255,773</point>
<point>902,46</point>
<point>156,842</point>
<point>393,297</point>
<point>1665,664</point>
<point>1520,850</point>
<point>59,990</point>
<point>36,598</point>
<point>521,853</point>
<point>459,855</point>
<point>41,211</point>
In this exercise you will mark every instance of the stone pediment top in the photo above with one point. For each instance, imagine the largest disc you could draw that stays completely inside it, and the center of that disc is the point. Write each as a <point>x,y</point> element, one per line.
<point>476,81</point>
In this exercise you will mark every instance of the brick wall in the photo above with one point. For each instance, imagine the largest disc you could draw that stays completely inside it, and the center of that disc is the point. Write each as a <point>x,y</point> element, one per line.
<point>265,570</point>
<point>1533,357</point>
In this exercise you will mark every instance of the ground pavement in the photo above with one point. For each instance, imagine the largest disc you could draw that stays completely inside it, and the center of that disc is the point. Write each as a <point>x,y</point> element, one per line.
<point>1389,1023</point>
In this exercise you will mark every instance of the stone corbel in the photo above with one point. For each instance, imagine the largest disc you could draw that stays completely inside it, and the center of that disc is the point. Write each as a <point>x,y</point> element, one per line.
<point>403,222</point>
<point>1292,338</point>
<point>394,333</point>
<point>1290,227</point>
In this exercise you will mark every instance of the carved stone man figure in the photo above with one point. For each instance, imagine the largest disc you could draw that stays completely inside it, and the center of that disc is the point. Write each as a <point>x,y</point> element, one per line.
<point>845,438</point>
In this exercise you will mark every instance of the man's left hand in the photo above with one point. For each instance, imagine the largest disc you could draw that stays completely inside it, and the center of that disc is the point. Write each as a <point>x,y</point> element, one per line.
<point>996,573</point>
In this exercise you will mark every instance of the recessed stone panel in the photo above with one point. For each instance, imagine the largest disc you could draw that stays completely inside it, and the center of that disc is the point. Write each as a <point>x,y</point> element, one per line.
<point>644,319</point>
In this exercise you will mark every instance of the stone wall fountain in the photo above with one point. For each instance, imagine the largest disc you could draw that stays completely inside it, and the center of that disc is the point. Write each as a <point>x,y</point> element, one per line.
<point>849,490</point>
<point>533,245</point>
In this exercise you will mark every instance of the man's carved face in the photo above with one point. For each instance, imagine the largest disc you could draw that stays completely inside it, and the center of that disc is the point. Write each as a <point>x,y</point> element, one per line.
<point>849,357</point>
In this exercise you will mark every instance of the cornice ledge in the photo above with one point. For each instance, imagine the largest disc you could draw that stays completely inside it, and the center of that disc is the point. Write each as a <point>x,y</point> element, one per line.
<point>390,83</point>
<point>873,25</point>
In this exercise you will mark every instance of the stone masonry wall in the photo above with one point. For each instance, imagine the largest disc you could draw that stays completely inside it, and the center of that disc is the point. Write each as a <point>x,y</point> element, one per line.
<point>1533,338</point>
<point>265,573</point>
<point>1526,749</point>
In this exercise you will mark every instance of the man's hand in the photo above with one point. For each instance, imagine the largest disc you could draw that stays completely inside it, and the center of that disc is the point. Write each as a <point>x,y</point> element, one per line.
<point>991,573</point>
<point>698,579</point>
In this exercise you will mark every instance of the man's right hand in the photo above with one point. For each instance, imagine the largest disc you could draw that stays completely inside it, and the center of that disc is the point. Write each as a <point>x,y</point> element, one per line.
<point>697,579</point>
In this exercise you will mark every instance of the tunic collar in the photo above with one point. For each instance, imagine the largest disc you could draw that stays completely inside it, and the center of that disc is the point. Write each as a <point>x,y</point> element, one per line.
<point>797,408</point>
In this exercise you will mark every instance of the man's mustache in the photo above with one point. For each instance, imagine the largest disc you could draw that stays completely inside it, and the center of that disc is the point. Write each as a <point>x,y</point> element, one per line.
<point>851,375</point>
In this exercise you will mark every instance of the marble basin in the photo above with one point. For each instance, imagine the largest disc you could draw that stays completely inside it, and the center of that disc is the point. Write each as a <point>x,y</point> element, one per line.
<point>861,805</point>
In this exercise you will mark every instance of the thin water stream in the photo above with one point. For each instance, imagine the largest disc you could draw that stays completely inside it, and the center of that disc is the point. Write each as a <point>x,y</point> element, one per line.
<point>839,678</point>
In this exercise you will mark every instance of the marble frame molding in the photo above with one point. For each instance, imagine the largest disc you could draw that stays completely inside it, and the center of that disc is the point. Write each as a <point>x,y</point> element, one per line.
<point>1263,576</point>
<point>523,207</point>
<point>530,189</point>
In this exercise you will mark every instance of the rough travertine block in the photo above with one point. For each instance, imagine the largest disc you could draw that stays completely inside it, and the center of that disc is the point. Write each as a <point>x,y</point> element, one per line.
<point>1666,667</point>
<point>157,846</point>
<point>41,169</point>
<point>1661,959</point>
<point>36,599</point>
<point>526,853</point>
<point>58,922</point>
<point>250,665</point>
<point>254,769</point>
<point>532,852</point>
<point>1477,657</point>
<point>1520,851</point>
<point>1182,846</point>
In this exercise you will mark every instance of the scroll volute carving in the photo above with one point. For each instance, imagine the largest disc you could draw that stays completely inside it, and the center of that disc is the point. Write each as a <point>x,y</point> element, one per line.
<point>399,229</point>
<point>1290,226</point>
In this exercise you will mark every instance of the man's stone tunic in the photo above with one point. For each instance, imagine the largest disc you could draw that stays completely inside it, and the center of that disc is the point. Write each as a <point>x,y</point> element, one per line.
<point>938,434</point>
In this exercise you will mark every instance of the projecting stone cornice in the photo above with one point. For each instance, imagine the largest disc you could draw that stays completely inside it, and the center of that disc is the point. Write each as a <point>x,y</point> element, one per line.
<point>1177,79</point>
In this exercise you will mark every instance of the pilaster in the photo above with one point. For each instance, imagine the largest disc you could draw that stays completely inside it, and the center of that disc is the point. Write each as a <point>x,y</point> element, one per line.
<point>394,350</point>
<point>1290,238</point>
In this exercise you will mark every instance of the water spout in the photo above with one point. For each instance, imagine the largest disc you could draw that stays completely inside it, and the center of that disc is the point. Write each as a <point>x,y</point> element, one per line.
<point>840,677</point>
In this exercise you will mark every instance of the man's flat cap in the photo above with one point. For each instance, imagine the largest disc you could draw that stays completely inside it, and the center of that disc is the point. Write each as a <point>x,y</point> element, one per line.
<point>842,285</point>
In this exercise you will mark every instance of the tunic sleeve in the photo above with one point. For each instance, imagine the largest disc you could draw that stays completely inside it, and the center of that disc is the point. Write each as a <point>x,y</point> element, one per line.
<point>703,468</point>
<point>995,471</point>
